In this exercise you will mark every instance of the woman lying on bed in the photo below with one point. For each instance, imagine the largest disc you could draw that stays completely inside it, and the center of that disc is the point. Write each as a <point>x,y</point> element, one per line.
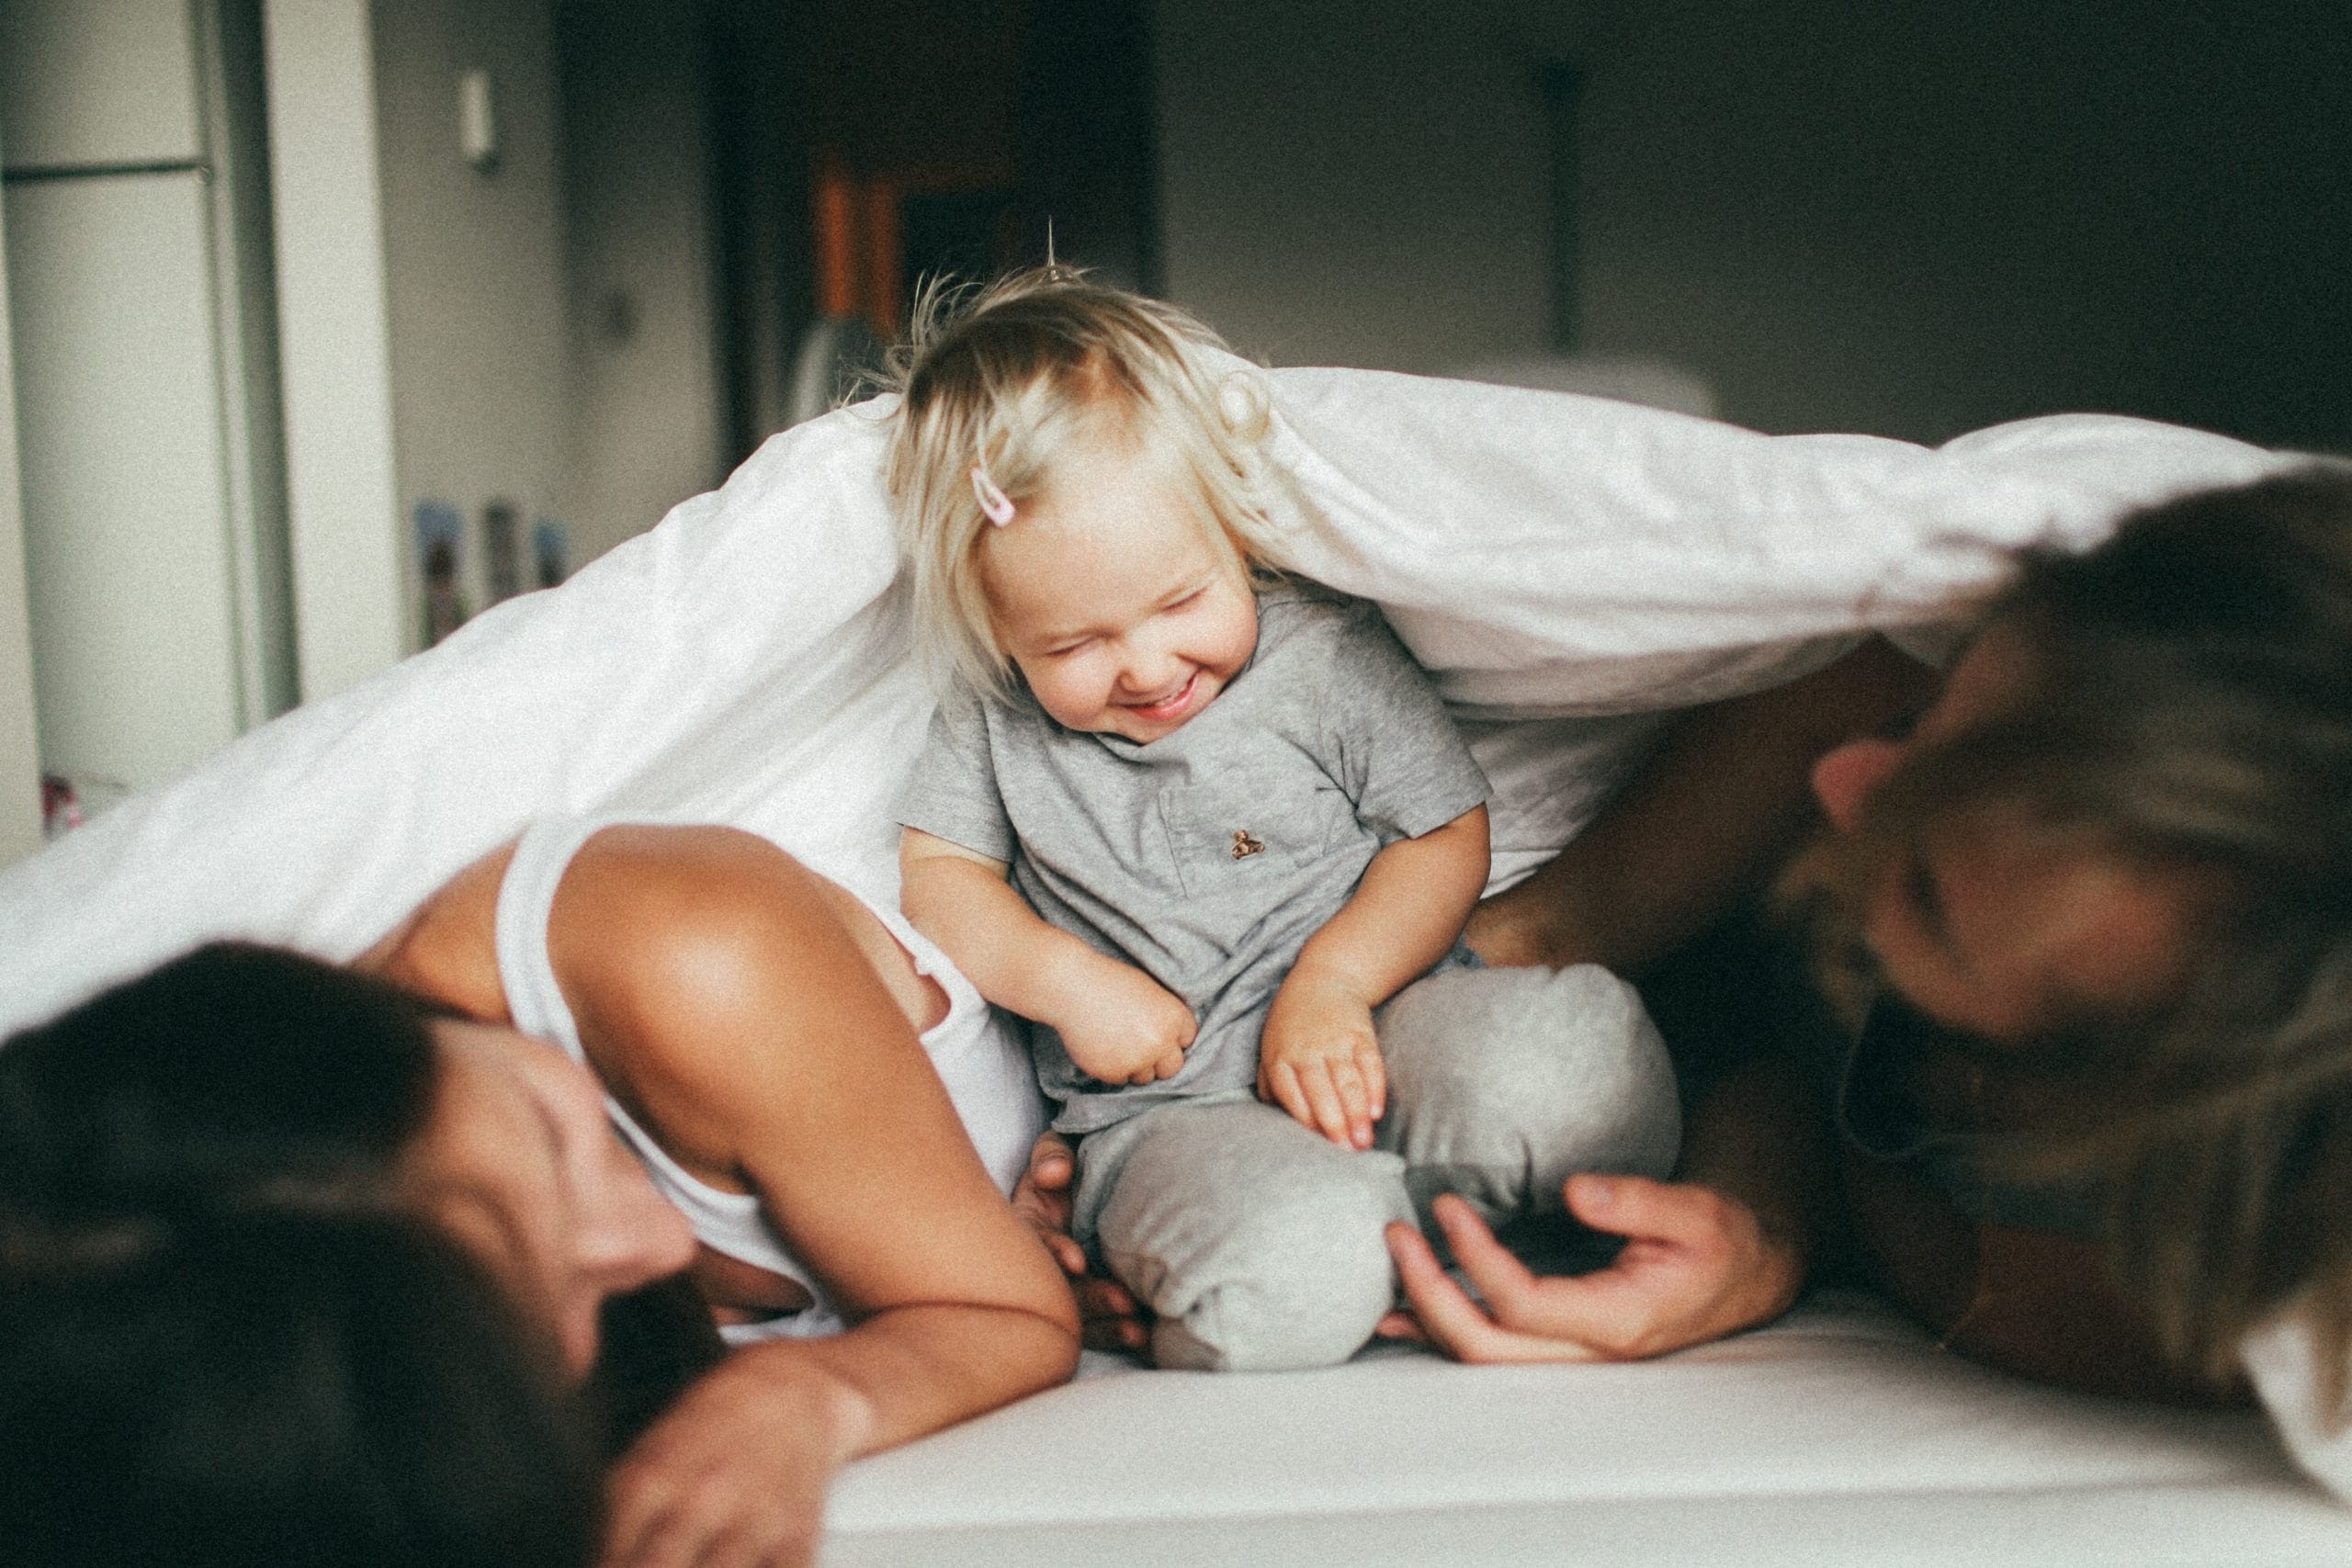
<point>755,1029</point>
<point>2090,921</point>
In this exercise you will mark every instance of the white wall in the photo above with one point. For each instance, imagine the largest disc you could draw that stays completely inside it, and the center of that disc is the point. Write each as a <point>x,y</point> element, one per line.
<point>1922,219</point>
<point>350,604</point>
<point>473,266</point>
<point>645,429</point>
<point>1354,182</point>
<point>19,752</point>
<point>1877,215</point>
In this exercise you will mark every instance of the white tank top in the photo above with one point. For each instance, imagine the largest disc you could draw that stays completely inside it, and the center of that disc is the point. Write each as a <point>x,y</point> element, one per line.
<point>986,1071</point>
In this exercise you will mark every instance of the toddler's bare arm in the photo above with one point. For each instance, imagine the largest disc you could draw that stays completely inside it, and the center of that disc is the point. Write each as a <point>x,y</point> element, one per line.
<point>1319,1059</point>
<point>1118,1023</point>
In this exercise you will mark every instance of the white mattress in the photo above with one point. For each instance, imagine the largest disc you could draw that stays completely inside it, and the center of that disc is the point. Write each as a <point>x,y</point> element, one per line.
<point>1837,1435</point>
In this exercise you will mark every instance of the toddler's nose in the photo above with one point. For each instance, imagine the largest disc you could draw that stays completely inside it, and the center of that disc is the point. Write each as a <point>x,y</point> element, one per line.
<point>1150,672</point>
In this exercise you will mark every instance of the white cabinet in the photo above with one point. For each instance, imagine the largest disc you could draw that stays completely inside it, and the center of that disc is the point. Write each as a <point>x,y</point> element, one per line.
<point>153,514</point>
<point>125,484</point>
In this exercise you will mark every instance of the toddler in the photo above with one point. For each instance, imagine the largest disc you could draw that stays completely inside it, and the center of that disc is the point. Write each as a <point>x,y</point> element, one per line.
<point>1213,834</point>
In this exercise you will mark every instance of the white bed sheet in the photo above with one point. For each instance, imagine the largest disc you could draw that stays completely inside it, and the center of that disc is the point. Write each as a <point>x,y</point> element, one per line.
<point>1840,1436</point>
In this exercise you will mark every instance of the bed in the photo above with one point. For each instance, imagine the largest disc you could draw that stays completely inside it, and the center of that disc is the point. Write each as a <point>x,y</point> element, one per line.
<point>1573,572</point>
<point>1838,1436</point>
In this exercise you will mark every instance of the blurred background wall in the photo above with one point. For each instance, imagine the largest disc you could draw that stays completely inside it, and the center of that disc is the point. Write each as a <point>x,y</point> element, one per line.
<point>494,282</point>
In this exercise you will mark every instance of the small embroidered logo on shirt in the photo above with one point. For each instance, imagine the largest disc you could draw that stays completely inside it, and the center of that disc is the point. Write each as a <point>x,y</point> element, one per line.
<point>1244,846</point>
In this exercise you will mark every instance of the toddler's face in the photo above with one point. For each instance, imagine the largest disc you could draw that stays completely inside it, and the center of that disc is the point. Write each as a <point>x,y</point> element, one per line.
<point>1120,616</point>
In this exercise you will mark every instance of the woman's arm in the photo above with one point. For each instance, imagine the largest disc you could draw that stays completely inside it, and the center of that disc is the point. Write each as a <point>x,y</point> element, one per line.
<point>1317,1058</point>
<point>724,1001</point>
<point>1118,1023</point>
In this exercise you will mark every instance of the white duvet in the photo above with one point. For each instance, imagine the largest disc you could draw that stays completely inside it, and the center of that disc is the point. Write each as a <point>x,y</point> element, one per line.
<point>1554,557</point>
<point>1568,567</point>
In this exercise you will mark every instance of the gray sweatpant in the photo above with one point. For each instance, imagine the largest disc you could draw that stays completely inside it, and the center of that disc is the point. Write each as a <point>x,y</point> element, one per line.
<point>1257,1241</point>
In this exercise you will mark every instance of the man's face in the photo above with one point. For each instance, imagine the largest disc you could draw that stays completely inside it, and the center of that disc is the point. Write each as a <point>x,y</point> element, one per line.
<point>1993,924</point>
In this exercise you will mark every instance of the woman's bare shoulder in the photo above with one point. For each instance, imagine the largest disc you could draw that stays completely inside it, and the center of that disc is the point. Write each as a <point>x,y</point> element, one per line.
<point>701,909</point>
<point>692,954</point>
<point>446,948</point>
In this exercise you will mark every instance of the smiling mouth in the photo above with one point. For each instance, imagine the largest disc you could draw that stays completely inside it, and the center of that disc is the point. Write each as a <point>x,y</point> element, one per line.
<point>1166,708</point>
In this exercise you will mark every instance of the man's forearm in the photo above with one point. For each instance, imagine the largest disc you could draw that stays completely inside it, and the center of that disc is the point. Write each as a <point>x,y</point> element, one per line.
<point>1701,826</point>
<point>1758,1135</point>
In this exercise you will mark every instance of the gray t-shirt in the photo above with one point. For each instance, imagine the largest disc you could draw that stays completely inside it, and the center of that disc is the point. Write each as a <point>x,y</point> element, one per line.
<point>1208,857</point>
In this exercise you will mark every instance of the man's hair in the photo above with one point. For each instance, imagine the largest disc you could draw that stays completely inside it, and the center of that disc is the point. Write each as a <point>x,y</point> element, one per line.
<point>1012,377</point>
<point>2188,706</point>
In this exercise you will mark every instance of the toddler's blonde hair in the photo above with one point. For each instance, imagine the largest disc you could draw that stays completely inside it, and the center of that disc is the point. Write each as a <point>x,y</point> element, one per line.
<point>1010,377</point>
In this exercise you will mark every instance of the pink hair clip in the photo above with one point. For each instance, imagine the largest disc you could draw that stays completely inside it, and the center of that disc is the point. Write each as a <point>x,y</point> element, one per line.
<point>995,505</point>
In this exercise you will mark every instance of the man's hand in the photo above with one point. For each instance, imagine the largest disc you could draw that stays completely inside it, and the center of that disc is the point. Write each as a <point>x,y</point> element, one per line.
<point>1696,1266</point>
<point>1320,1060</point>
<point>1109,1318</point>
<point>1120,1025</point>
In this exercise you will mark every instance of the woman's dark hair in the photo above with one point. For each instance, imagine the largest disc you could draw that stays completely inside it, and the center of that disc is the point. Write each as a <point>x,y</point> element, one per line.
<point>343,1390</point>
<point>221,1338</point>
<point>2189,708</point>
<point>235,1075</point>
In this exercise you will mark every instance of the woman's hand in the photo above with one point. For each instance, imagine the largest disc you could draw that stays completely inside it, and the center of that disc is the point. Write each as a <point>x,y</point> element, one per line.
<point>1109,1318</point>
<point>734,1475</point>
<point>1319,1059</point>
<point>1696,1265</point>
<point>1119,1024</point>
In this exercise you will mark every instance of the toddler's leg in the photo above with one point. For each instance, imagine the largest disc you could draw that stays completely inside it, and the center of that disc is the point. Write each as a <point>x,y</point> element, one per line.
<point>1502,1083</point>
<point>1256,1242</point>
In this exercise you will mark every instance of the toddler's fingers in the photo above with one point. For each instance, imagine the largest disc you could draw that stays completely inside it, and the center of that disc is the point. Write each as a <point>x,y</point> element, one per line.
<point>1355,1104</point>
<point>1281,1085</point>
<point>1374,1069</point>
<point>1330,1111</point>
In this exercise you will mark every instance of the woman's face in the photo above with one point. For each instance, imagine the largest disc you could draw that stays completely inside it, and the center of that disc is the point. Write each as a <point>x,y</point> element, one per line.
<point>519,1165</point>
<point>1995,926</point>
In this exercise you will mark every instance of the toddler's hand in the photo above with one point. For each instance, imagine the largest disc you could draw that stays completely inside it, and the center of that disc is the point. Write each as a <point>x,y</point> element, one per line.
<point>1122,1026</point>
<point>1320,1060</point>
